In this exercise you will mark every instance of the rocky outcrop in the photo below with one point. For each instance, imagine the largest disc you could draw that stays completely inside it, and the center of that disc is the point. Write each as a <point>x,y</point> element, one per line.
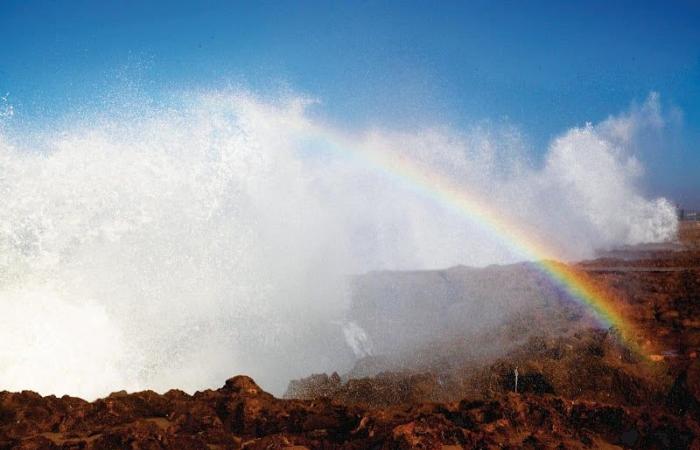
<point>242,415</point>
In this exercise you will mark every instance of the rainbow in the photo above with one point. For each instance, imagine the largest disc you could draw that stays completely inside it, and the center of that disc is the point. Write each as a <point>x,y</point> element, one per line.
<point>525,243</point>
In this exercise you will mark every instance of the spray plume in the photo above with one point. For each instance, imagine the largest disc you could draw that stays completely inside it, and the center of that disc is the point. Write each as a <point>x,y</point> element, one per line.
<point>178,245</point>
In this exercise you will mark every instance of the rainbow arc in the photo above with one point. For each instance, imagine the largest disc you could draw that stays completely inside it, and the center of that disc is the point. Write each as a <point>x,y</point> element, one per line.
<point>599,300</point>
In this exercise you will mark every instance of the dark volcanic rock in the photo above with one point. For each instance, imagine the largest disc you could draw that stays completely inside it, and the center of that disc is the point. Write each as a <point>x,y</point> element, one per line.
<point>241,415</point>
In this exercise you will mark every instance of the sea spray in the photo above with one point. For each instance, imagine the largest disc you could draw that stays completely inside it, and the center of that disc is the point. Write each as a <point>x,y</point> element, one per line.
<point>175,246</point>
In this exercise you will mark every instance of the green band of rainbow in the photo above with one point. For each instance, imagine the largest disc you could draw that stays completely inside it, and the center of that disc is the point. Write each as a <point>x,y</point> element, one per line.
<point>524,243</point>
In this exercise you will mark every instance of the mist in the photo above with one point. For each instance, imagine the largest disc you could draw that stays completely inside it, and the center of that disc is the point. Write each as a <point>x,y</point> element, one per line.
<point>179,244</point>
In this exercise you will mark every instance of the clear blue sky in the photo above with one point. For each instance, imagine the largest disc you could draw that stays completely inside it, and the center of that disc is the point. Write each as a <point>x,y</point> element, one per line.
<point>544,66</point>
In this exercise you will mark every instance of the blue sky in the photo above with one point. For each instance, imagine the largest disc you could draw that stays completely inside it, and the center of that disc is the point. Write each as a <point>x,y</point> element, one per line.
<point>544,66</point>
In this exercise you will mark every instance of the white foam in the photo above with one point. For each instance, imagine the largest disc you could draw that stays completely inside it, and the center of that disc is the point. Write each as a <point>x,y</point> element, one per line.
<point>179,245</point>
<point>358,340</point>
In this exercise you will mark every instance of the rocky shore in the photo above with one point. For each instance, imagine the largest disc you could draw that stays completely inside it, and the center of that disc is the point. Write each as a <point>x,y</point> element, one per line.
<point>241,415</point>
<point>577,385</point>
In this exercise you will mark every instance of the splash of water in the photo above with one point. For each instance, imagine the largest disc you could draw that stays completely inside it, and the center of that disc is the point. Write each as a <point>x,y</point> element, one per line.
<point>357,339</point>
<point>6,108</point>
<point>179,245</point>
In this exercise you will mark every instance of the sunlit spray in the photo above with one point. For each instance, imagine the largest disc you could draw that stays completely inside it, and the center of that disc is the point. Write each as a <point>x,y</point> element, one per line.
<point>177,245</point>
